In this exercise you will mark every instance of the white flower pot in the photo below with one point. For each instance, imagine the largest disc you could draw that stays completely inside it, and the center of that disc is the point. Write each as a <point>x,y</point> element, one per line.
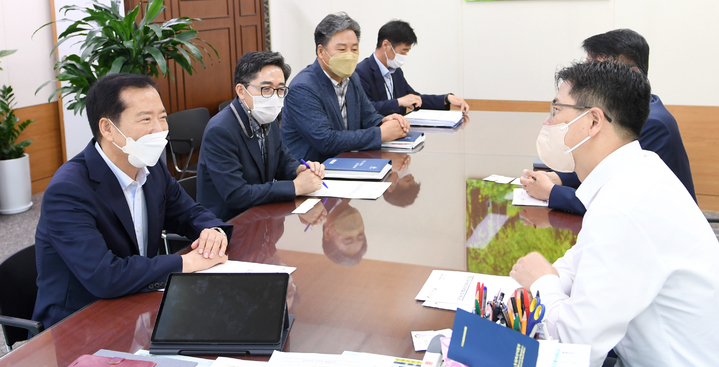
<point>15,185</point>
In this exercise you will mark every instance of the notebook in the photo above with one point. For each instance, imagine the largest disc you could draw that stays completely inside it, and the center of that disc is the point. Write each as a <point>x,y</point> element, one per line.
<point>409,142</point>
<point>222,314</point>
<point>435,118</point>
<point>357,168</point>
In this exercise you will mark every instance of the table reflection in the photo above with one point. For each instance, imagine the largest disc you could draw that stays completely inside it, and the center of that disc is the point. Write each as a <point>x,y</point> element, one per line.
<point>499,233</point>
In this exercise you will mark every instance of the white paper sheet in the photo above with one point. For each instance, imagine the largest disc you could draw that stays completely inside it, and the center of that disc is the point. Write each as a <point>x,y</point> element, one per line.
<point>449,290</point>
<point>555,354</point>
<point>232,362</point>
<point>352,189</point>
<point>421,339</point>
<point>306,206</point>
<point>233,266</point>
<point>500,179</point>
<point>379,360</point>
<point>521,198</point>
<point>292,359</point>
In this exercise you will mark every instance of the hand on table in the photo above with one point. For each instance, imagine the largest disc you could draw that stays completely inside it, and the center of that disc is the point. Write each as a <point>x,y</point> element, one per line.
<point>530,268</point>
<point>537,184</point>
<point>210,243</point>
<point>458,102</point>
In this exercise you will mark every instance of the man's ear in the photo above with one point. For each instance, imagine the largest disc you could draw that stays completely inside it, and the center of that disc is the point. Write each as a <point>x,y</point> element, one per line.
<point>239,90</point>
<point>105,128</point>
<point>598,121</point>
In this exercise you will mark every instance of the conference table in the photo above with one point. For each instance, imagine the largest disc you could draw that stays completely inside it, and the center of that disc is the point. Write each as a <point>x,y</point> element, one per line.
<point>360,263</point>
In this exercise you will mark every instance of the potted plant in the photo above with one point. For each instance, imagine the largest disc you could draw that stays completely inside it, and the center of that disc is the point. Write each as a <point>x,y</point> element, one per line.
<point>15,184</point>
<point>112,43</point>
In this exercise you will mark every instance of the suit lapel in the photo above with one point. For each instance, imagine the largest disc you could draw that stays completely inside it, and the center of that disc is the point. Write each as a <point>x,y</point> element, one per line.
<point>378,80</point>
<point>253,145</point>
<point>154,201</point>
<point>109,190</point>
<point>328,94</point>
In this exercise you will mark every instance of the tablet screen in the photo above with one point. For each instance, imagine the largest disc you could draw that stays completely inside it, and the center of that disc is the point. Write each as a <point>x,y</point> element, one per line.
<point>222,308</point>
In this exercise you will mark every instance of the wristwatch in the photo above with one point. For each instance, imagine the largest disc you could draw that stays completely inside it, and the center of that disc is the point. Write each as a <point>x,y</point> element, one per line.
<point>218,229</point>
<point>446,98</point>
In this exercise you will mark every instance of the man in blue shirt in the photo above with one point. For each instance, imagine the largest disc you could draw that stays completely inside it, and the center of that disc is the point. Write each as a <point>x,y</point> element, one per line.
<point>327,112</point>
<point>243,162</point>
<point>660,133</point>
<point>383,79</point>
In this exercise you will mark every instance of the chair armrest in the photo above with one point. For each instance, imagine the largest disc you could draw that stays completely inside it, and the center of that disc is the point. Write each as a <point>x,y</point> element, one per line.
<point>33,326</point>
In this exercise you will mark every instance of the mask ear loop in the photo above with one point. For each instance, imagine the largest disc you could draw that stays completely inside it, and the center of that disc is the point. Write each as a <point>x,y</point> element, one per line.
<point>567,126</point>
<point>118,130</point>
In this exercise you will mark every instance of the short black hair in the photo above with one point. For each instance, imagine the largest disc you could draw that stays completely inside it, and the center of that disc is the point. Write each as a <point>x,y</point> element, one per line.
<point>614,86</point>
<point>622,44</point>
<point>252,63</point>
<point>103,98</point>
<point>332,24</point>
<point>396,32</point>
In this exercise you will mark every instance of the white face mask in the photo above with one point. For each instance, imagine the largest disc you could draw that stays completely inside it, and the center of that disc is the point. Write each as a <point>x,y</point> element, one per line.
<point>265,109</point>
<point>551,147</point>
<point>398,61</point>
<point>145,151</point>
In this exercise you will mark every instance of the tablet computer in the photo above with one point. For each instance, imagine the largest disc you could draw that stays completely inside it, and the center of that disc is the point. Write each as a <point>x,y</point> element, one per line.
<point>222,314</point>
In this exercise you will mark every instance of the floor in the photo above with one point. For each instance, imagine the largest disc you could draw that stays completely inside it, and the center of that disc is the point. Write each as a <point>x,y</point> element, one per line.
<point>18,231</point>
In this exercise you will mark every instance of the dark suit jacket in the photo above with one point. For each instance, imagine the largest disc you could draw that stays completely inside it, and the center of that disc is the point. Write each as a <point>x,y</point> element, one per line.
<point>312,125</point>
<point>660,134</point>
<point>85,242</point>
<point>231,175</point>
<point>373,84</point>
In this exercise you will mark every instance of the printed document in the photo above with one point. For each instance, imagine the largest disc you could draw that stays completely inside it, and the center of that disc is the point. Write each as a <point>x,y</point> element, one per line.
<point>233,266</point>
<point>449,290</point>
<point>352,189</point>
<point>521,198</point>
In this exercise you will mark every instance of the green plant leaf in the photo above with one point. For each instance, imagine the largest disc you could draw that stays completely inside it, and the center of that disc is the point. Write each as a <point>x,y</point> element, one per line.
<point>153,10</point>
<point>117,65</point>
<point>159,58</point>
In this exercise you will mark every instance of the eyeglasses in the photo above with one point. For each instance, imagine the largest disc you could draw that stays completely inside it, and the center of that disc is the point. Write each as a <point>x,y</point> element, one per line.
<point>554,104</point>
<point>267,92</point>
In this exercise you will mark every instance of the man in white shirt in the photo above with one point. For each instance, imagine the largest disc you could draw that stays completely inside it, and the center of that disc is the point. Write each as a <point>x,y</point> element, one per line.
<point>643,277</point>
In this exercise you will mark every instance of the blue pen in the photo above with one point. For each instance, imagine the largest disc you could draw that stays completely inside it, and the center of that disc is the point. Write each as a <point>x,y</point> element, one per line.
<point>308,167</point>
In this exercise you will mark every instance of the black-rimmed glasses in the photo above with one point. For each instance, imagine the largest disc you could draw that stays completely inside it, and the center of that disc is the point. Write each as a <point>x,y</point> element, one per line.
<point>267,92</point>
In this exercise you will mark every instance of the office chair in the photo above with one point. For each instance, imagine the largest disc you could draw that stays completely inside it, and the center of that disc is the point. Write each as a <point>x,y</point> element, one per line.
<point>189,184</point>
<point>175,242</point>
<point>223,105</point>
<point>185,136</point>
<point>18,292</point>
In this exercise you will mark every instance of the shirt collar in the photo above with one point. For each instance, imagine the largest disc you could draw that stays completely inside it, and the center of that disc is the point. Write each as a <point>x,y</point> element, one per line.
<point>334,82</point>
<point>599,176</point>
<point>382,69</point>
<point>122,177</point>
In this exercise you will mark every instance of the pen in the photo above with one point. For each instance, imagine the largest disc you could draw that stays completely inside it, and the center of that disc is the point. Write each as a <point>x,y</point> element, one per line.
<point>308,167</point>
<point>515,314</point>
<point>323,203</point>
<point>484,297</point>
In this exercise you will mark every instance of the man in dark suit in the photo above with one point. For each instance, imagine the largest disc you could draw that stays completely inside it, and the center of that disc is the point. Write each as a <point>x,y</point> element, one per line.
<point>243,162</point>
<point>660,133</point>
<point>104,210</point>
<point>327,112</point>
<point>383,79</point>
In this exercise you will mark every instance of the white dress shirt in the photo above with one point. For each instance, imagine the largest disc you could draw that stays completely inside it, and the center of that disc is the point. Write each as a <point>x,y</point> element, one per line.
<point>135,198</point>
<point>643,277</point>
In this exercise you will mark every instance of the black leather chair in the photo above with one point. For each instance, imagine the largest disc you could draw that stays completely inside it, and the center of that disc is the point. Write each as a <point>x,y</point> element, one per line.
<point>186,129</point>
<point>18,291</point>
<point>223,105</point>
<point>175,242</point>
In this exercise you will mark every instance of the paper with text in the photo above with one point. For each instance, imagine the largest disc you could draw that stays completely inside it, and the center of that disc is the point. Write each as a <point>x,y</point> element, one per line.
<point>352,189</point>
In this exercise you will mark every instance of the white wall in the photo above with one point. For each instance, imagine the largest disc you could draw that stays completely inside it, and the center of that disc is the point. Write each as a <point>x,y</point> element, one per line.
<point>31,65</point>
<point>509,50</point>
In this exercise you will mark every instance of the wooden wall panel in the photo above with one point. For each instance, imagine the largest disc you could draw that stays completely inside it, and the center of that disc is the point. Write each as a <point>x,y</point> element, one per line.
<point>46,149</point>
<point>208,86</point>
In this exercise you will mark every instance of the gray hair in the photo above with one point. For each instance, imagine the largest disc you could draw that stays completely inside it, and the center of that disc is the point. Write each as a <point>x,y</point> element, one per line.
<point>332,24</point>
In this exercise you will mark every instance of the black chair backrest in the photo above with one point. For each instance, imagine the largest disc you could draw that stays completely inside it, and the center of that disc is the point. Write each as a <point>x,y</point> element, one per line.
<point>189,184</point>
<point>18,290</point>
<point>187,125</point>
<point>223,105</point>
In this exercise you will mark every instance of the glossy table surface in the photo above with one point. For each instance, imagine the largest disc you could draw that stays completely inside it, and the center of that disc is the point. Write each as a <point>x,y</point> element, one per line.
<point>360,263</point>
